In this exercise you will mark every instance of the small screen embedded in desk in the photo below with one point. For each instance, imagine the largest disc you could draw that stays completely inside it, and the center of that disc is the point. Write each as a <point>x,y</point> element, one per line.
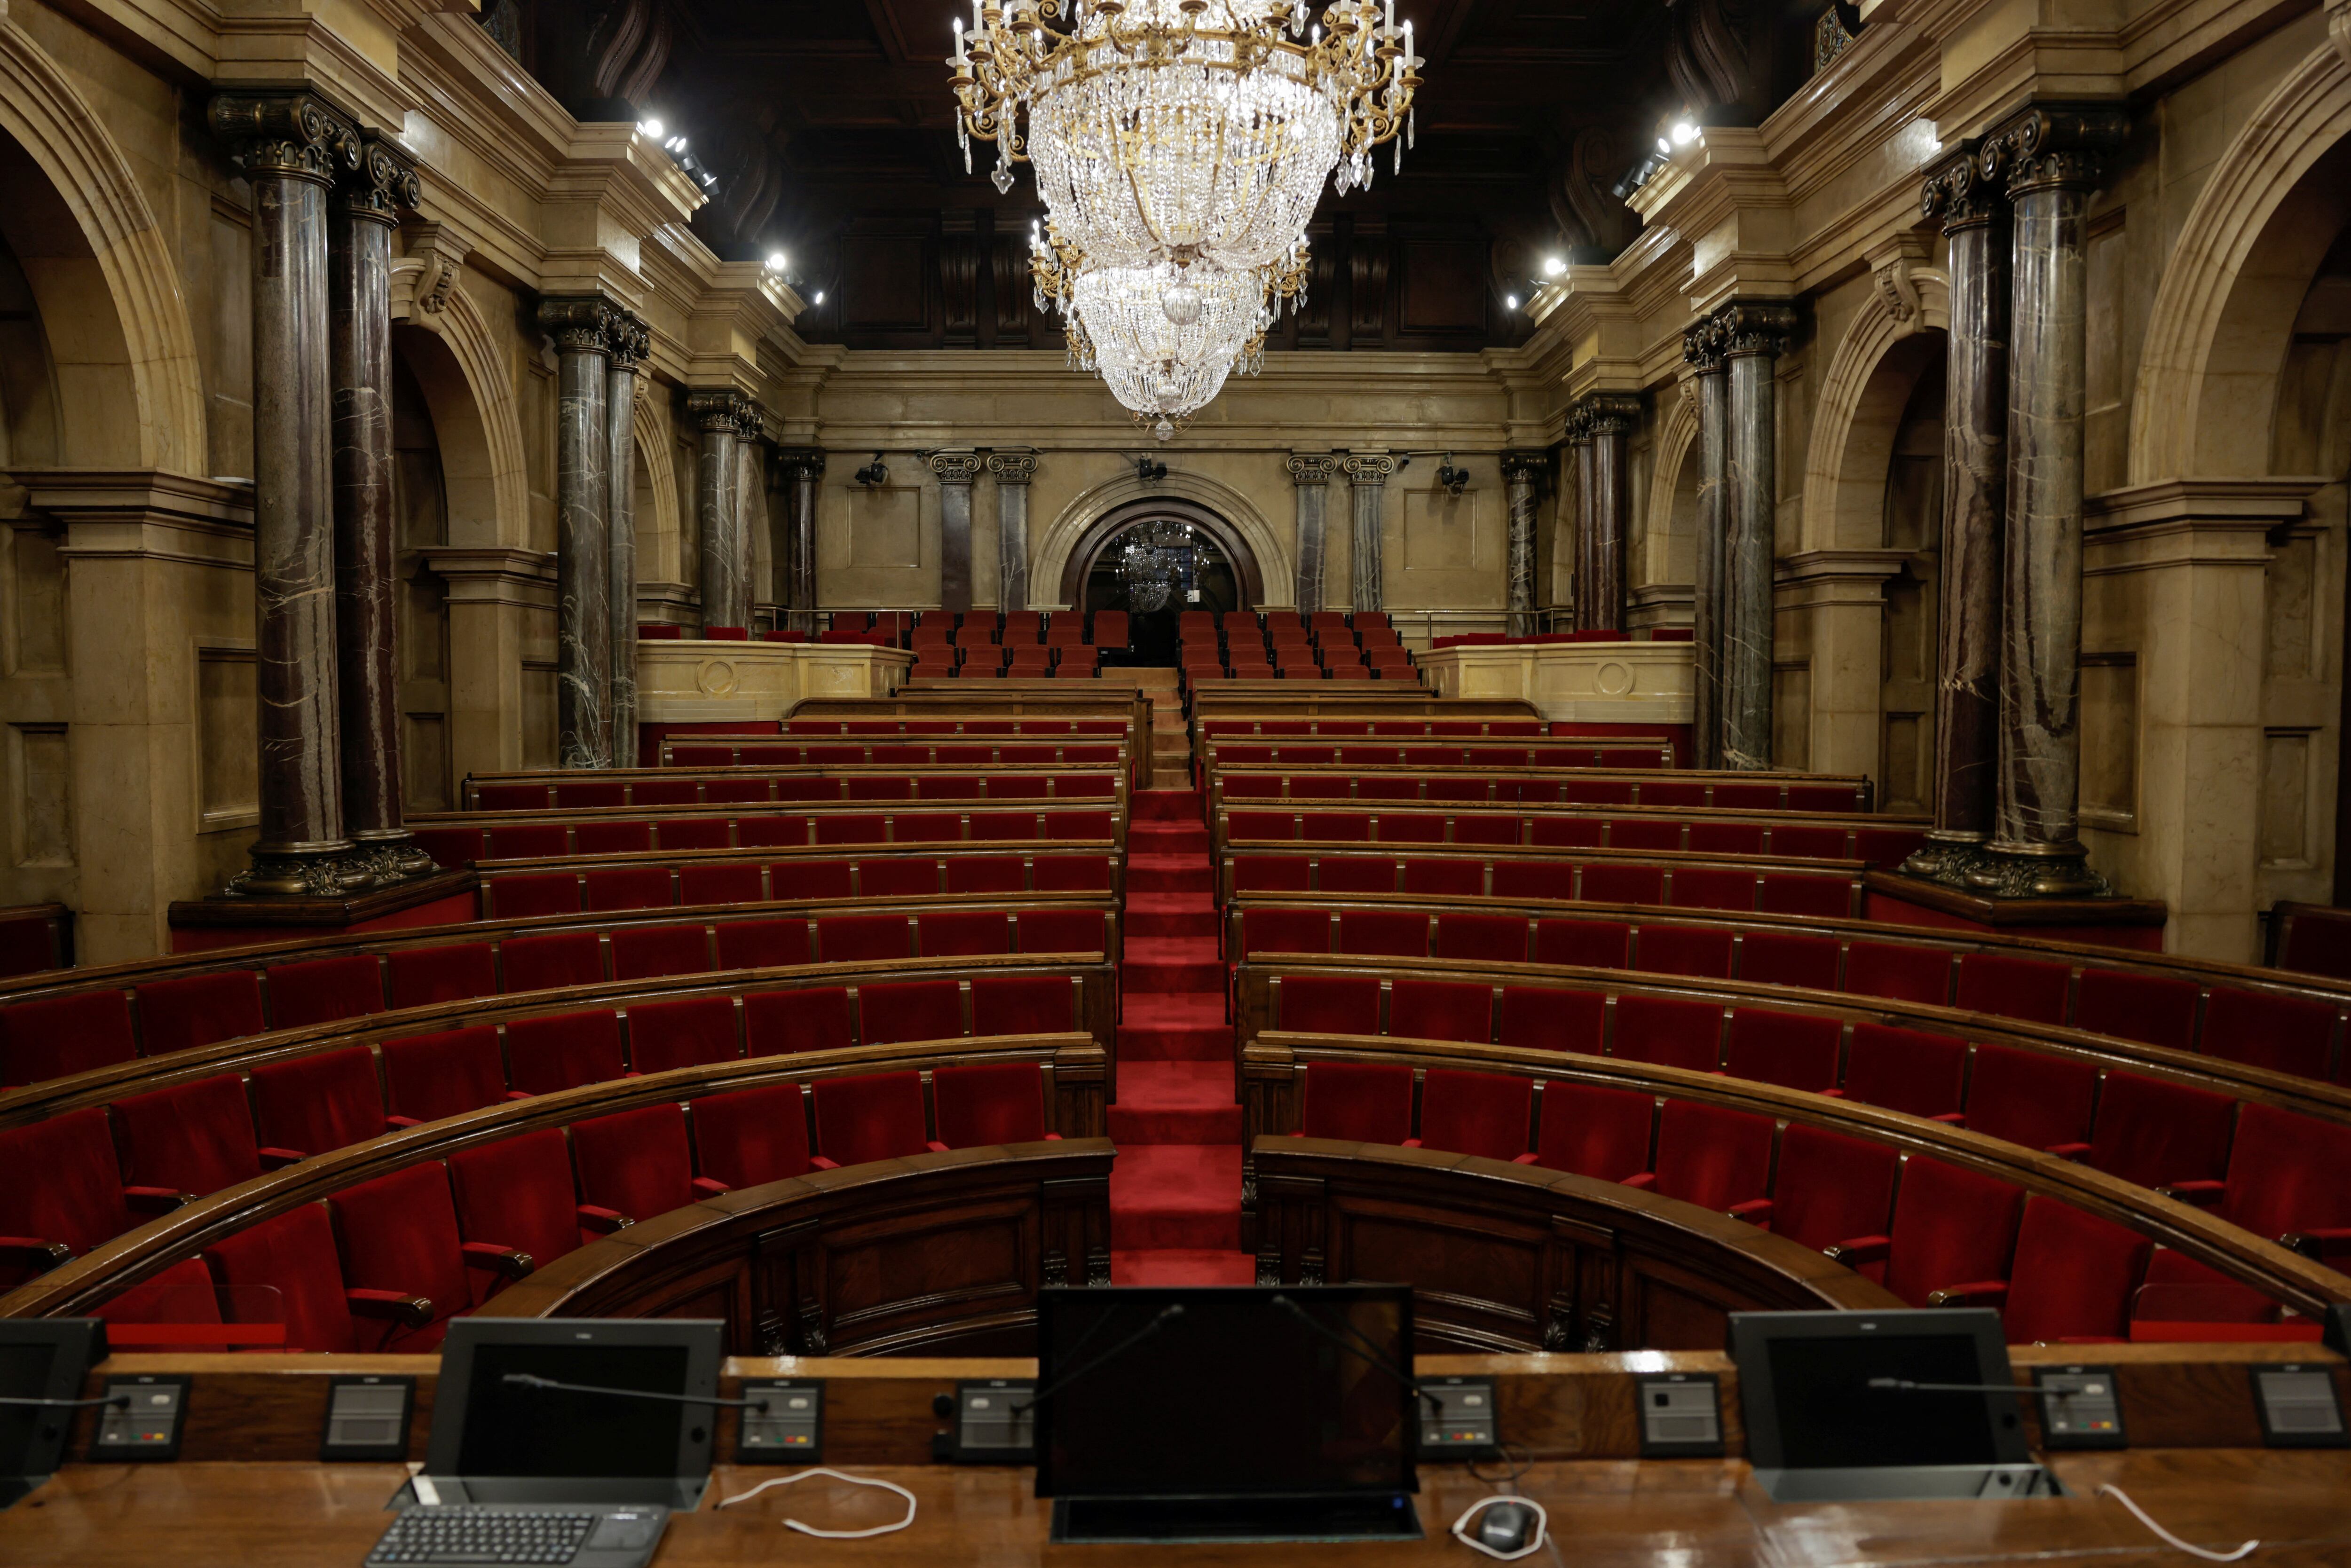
<point>1831,1418</point>
<point>521,1431</point>
<point>24,1374</point>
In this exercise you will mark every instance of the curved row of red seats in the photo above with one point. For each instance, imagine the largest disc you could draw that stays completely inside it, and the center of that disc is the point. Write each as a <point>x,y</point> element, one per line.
<point>104,1167</point>
<point>565,795</point>
<point>1657,789</point>
<point>385,1265</point>
<point>1933,1233</point>
<point>456,845</point>
<point>1368,754</point>
<point>1705,886</point>
<point>769,752</point>
<point>1400,824</point>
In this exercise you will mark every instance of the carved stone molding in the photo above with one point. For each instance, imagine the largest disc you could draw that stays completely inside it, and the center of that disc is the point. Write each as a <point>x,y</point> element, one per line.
<point>1959,192</point>
<point>1703,343</point>
<point>957,468</point>
<point>1528,467</point>
<point>384,184</point>
<point>1369,467</point>
<point>628,340</point>
<point>1755,328</point>
<point>721,409</point>
<point>1608,414</point>
<point>1013,467</point>
<point>288,135</point>
<point>2053,144</point>
<point>434,254</point>
<point>1898,266</point>
<point>1311,467</point>
<point>799,462</point>
<point>580,323</point>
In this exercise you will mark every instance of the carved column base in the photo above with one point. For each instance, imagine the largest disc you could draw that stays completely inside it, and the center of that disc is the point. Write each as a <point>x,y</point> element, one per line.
<point>1946,859</point>
<point>330,875</point>
<point>2036,871</point>
<point>393,856</point>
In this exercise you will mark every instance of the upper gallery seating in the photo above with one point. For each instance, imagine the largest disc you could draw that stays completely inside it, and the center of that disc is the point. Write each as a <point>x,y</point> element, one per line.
<point>1877,841</point>
<point>1235,646</point>
<point>1020,647</point>
<point>458,838</point>
<point>1648,787</point>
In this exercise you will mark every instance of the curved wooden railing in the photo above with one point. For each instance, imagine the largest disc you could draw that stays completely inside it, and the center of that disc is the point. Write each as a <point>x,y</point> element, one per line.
<point>1271,1109</point>
<point>1770,885</point>
<point>1507,1257</point>
<point>816,783</point>
<point>1096,1005</point>
<point>936,1254</point>
<point>1075,1068</point>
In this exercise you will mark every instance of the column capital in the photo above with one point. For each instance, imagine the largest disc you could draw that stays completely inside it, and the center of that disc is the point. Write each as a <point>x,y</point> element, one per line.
<point>800,462</point>
<point>290,135</point>
<point>1311,467</point>
<point>1703,344</point>
<point>1753,326</point>
<point>580,323</point>
<point>628,338</point>
<point>384,184</point>
<point>1369,467</point>
<point>2048,146</point>
<point>1607,413</point>
<point>957,468</point>
<point>722,410</point>
<point>1531,467</point>
<point>1013,465</point>
<point>1958,190</point>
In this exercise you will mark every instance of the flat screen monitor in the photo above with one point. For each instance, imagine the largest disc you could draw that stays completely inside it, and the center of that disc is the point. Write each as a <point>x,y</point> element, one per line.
<point>505,1441</point>
<point>40,1358</point>
<point>1233,1396</point>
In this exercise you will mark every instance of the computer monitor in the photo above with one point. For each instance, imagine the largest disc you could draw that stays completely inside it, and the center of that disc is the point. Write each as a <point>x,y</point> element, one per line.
<point>1222,1414</point>
<point>1831,1410</point>
<point>496,1441</point>
<point>40,1358</point>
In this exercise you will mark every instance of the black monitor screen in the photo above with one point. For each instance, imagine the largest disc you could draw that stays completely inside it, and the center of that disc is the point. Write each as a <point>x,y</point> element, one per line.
<point>1235,1396</point>
<point>1830,1417</point>
<point>24,1375</point>
<point>513,1430</point>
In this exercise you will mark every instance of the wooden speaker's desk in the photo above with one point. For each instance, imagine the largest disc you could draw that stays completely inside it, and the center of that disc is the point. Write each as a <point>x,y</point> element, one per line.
<point>1688,1513</point>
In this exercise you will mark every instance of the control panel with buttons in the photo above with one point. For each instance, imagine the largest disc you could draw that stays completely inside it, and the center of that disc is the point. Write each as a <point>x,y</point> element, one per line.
<point>2298,1407</point>
<point>1681,1416</point>
<point>367,1419</point>
<point>1460,1423</point>
<point>2080,1407</point>
<point>146,1428</point>
<point>992,1423</point>
<point>790,1431</point>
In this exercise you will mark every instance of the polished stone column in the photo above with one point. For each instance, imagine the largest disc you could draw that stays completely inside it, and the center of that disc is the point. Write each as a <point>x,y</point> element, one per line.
<point>1702,348</point>
<point>1579,467</point>
<point>798,468</point>
<point>726,581</point>
<point>957,471</point>
<point>290,148</point>
<point>631,340</point>
<point>367,667</point>
<point>1608,419</point>
<point>1754,337</point>
<point>1974,213</point>
<point>1312,472</point>
<point>1367,474</point>
<point>582,326</point>
<point>1013,468</point>
<point>2052,156</point>
<point>1523,474</point>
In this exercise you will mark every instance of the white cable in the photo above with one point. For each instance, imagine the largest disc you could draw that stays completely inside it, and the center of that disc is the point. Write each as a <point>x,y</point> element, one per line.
<point>836,1475</point>
<point>2165,1536</point>
<point>1534,1542</point>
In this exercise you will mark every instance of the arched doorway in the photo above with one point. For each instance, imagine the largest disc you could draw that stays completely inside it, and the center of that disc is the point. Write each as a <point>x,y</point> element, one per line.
<point>1156,559</point>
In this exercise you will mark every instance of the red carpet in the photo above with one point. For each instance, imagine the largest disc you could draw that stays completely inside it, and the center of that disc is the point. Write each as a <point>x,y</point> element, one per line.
<point>1175,1192</point>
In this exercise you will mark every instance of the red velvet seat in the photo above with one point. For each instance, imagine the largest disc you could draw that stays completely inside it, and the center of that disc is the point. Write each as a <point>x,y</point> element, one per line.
<point>1669,1033</point>
<point>2289,1178</point>
<point>2072,1278</point>
<point>191,1137</point>
<point>1794,1051</point>
<point>1789,958</point>
<point>283,1270</point>
<point>312,1104</point>
<point>428,1076</point>
<point>989,1103</point>
<point>792,833</point>
<point>1072,874</point>
<point>60,1036</point>
<point>518,1194</point>
<point>1441,1009</point>
<point>182,1293</point>
<point>1615,882</point>
<point>2262,1029</point>
<point>1415,827</point>
<point>325,990</point>
<point>418,976</point>
<point>1715,1157</point>
<point>2012,987</point>
<point>1726,838</point>
<point>398,1234</point>
<point>1024,1004</point>
<point>1829,1186</point>
<point>960,933</point>
<point>1272,874</point>
<point>764,944</point>
<point>622,838</point>
<point>2039,1100</point>
<point>627,887</point>
<point>1062,931</point>
<point>1500,938</point>
<point>1593,1131</point>
<point>1952,1226</point>
<point>693,1031</point>
<point>1906,1070</point>
<point>637,1161</point>
<point>1544,1018</point>
<point>797,880</point>
<point>854,938</point>
<point>2158,1134</point>
<point>1355,873</point>
<point>1361,1101</point>
<point>984,873</point>
<point>1903,973</point>
<point>524,841</point>
<point>1591,944</point>
<point>1646,833</point>
<point>2153,1008</point>
<point>911,1009</point>
<point>780,1023</point>
<point>555,962</point>
<point>1482,1114</point>
<point>649,952</point>
<point>1327,1004</point>
<point>872,1117</point>
<point>1445,878</point>
<point>1389,933</point>
<point>751,1136</point>
<point>197,1009</point>
<point>532,893</point>
<point>564,1051</point>
<point>1795,892</point>
<point>1704,951</point>
<point>77,1202</point>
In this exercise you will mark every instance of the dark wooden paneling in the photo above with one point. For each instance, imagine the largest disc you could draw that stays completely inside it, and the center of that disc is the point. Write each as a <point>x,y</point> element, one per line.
<point>884,284</point>
<point>1444,288</point>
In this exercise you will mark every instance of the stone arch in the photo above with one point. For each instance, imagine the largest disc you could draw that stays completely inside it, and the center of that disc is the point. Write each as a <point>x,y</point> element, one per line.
<point>1672,485</point>
<point>2215,337</point>
<point>138,351</point>
<point>1864,391</point>
<point>1089,545</point>
<point>469,388</point>
<point>659,534</point>
<point>1050,560</point>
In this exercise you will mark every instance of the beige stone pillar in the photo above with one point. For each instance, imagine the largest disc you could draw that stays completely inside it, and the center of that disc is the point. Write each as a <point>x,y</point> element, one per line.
<point>501,602</point>
<point>1839,599</point>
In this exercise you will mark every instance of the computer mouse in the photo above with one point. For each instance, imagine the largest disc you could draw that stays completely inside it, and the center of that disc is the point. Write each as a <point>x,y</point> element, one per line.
<point>1506,1527</point>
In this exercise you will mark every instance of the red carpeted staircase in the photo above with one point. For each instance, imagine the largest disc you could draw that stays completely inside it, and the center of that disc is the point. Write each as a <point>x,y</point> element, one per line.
<point>1175,1192</point>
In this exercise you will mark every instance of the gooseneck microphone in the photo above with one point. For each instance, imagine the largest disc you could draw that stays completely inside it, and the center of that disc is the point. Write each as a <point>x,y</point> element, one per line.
<point>1365,1350</point>
<point>532,1380</point>
<point>1906,1385</point>
<point>116,1399</point>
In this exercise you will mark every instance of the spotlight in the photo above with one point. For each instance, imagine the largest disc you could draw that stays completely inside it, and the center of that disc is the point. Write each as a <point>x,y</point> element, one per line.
<point>1149,472</point>
<point>874,473</point>
<point>778,261</point>
<point>1683,134</point>
<point>1664,146</point>
<point>1511,300</point>
<point>1553,266</point>
<point>652,127</point>
<point>819,298</point>
<point>1454,480</point>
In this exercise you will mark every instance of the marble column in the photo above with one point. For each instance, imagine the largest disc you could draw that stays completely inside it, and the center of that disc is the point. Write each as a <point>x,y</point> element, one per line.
<point>1013,468</point>
<point>631,340</point>
<point>1702,348</point>
<point>1608,418</point>
<point>1579,465</point>
<point>290,149</point>
<point>957,471</point>
<point>1367,475</point>
<point>725,582</point>
<point>1974,214</point>
<point>801,468</point>
<point>367,667</point>
<point>2052,156</point>
<point>1311,473</point>
<point>582,326</point>
<point>1754,337</point>
<point>1523,474</point>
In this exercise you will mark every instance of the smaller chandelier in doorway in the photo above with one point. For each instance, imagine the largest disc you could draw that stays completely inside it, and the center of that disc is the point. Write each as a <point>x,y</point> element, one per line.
<point>1158,563</point>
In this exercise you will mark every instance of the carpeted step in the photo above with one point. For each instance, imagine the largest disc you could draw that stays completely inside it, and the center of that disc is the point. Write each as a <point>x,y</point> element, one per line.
<point>1187,914</point>
<point>1171,964</point>
<point>1167,839</point>
<point>1177,1195</point>
<point>1168,873</point>
<point>1164,805</point>
<point>1179,1026</point>
<point>1182,1266</point>
<point>1175,1103</point>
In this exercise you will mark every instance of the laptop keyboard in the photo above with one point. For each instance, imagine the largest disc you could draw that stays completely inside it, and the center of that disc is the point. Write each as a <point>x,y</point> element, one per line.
<point>459,1533</point>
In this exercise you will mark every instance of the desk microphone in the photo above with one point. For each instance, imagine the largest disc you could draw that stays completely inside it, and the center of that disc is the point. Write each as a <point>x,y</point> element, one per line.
<point>119,1399</point>
<point>532,1380</point>
<point>1905,1385</point>
<point>1363,1349</point>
